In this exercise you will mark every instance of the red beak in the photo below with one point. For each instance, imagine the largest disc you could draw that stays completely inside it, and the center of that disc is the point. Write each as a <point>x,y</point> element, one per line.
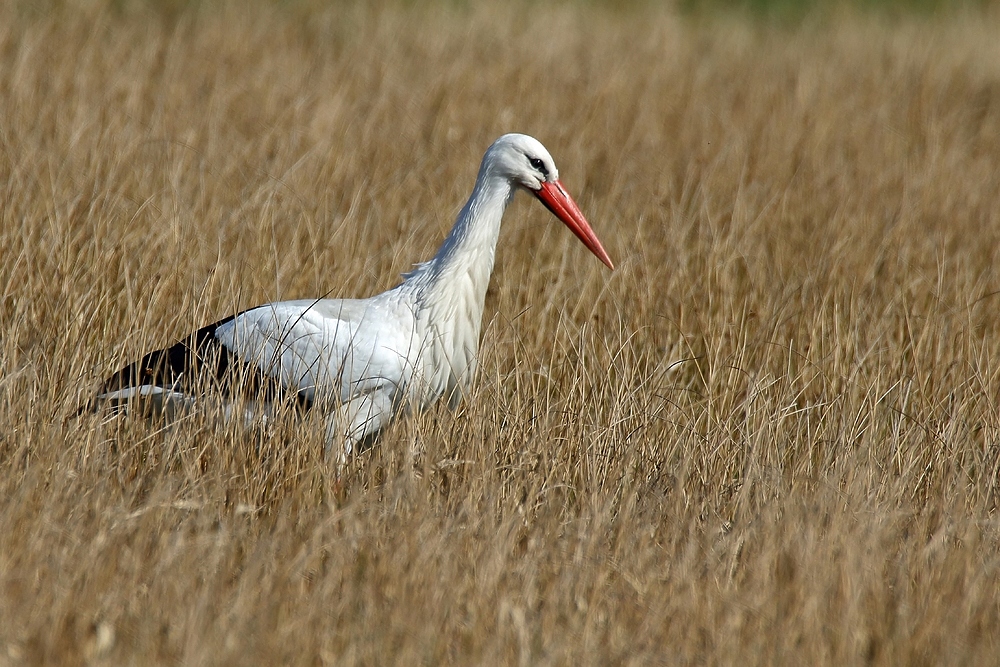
<point>557,200</point>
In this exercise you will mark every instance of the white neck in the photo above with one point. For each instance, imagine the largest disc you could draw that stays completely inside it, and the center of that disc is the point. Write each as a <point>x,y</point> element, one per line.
<point>449,291</point>
<point>461,269</point>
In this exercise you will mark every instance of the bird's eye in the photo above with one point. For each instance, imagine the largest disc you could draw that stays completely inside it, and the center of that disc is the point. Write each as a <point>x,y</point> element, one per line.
<point>537,164</point>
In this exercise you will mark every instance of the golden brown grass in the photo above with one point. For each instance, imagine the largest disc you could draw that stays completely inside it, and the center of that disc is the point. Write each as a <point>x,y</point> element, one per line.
<point>770,437</point>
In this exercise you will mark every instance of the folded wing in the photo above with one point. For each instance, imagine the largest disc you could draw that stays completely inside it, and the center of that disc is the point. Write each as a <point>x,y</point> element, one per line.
<point>326,351</point>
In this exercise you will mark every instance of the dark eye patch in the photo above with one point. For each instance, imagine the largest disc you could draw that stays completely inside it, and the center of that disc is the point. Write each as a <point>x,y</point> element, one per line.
<point>536,163</point>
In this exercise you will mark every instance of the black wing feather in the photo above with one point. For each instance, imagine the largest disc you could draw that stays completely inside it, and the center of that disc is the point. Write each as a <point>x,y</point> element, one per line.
<point>199,361</point>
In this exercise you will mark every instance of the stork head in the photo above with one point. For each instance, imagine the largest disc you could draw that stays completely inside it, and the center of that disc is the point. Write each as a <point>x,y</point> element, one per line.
<point>525,162</point>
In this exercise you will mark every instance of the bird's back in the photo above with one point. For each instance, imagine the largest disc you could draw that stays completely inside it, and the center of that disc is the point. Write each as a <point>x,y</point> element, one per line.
<point>328,350</point>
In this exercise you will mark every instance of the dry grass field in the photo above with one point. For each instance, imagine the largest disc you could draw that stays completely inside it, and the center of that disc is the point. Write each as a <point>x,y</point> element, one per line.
<point>771,436</point>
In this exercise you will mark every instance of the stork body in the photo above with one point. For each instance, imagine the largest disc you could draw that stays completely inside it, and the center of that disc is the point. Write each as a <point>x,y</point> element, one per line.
<point>362,361</point>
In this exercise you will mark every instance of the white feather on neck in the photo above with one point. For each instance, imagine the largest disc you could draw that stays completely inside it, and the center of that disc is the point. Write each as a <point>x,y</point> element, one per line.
<point>449,290</point>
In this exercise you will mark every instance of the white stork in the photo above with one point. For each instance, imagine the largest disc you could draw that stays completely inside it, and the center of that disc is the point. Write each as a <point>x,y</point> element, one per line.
<point>362,361</point>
